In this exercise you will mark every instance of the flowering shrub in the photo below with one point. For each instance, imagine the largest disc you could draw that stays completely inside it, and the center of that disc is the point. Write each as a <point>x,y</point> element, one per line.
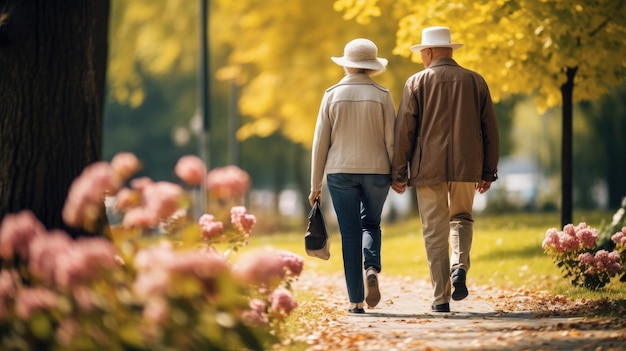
<point>136,291</point>
<point>574,251</point>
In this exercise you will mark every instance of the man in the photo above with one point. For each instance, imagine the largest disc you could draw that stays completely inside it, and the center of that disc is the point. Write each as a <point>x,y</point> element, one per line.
<point>447,147</point>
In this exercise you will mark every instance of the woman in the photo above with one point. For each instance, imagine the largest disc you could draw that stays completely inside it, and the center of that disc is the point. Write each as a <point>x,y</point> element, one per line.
<point>353,145</point>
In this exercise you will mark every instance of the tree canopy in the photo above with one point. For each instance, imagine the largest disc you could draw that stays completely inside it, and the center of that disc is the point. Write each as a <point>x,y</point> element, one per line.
<point>519,46</point>
<point>277,51</point>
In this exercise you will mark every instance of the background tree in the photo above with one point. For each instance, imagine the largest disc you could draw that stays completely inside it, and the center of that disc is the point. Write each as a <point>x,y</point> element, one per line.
<point>541,47</point>
<point>606,120</point>
<point>52,68</point>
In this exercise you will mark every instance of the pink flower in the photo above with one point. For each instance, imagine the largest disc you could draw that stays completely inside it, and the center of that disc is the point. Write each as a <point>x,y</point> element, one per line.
<point>61,262</point>
<point>157,266</point>
<point>255,316</point>
<point>293,263</point>
<point>281,302</point>
<point>601,262</point>
<point>569,229</point>
<point>152,278</point>
<point>228,182</point>
<point>127,199</point>
<point>44,252</point>
<point>551,239</point>
<point>571,239</point>
<point>257,305</point>
<point>567,243</point>
<point>241,220</point>
<point>614,263</point>
<point>85,201</point>
<point>205,268</point>
<point>261,268</point>
<point>608,262</point>
<point>151,256</point>
<point>190,169</point>
<point>588,236</point>
<point>140,217</point>
<point>586,259</point>
<point>267,267</point>
<point>85,260</point>
<point>16,233</point>
<point>619,238</point>
<point>125,164</point>
<point>31,300</point>
<point>159,200</point>
<point>163,198</point>
<point>140,183</point>
<point>210,228</point>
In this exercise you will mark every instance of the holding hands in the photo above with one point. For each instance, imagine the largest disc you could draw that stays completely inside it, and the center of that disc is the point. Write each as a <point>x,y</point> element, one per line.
<point>399,187</point>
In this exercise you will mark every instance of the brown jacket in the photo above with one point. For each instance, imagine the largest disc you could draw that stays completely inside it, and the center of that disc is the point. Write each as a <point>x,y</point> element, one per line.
<point>446,129</point>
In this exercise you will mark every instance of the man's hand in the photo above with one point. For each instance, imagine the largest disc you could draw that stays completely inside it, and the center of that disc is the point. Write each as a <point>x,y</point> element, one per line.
<point>399,187</point>
<point>483,186</point>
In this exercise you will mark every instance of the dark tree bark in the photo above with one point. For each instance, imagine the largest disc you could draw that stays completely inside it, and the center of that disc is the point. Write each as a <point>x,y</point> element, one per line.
<point>52,77</point>
<point>567,92</point>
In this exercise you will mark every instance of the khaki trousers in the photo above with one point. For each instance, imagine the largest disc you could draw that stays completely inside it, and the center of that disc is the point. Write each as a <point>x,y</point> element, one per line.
<point>446,215</point>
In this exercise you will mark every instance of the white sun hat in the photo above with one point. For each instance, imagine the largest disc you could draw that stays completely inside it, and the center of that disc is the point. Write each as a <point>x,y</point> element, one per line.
<point>361,53</point>
<point>435,37</point>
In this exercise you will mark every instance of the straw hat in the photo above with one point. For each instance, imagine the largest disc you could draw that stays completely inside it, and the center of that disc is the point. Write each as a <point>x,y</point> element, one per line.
<point>361,53</point>
<point>435,37</point>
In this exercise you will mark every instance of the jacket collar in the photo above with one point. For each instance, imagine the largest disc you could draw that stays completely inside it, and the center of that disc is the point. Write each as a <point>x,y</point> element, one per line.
<point>444,61</point>
<point>356,78</point>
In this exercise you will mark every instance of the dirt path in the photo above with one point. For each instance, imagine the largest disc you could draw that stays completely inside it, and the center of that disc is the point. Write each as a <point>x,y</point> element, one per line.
<point>489,319</point>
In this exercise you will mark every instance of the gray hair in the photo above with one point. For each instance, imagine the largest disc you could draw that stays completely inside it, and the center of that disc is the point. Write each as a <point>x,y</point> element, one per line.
<point>354,70</point>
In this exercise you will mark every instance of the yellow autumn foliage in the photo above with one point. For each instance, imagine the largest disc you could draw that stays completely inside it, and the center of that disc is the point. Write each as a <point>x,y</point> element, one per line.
<point>279,51</point>
<point>523,47</point>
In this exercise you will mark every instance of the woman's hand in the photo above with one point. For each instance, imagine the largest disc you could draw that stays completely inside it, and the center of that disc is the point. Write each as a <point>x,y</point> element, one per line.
<point>315,195</point>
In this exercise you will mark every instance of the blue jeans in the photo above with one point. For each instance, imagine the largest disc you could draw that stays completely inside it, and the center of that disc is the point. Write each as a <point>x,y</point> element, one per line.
<point>358,200</point>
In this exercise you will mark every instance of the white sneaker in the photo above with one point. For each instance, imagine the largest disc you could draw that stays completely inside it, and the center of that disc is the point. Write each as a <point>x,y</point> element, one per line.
<point>373,293</point>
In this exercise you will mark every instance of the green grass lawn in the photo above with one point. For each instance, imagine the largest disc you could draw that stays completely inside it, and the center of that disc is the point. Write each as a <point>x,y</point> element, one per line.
<point>506,252</point>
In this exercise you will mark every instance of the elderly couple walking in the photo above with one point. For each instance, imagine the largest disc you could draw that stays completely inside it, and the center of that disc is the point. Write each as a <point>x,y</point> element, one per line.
<point>443,142</point>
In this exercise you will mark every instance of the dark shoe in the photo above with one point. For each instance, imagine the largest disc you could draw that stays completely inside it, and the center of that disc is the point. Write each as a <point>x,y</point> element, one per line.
<point>356,310</point>
<point>458,281</point>
<point>373,293</point>
<point>444,307</point>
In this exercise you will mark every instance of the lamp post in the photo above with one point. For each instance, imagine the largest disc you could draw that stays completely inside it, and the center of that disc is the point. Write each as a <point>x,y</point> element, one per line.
<point>203,96</point>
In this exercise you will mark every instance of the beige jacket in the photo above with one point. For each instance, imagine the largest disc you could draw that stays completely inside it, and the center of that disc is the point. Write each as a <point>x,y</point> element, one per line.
<point>354,130</point>
<point>446,129</point>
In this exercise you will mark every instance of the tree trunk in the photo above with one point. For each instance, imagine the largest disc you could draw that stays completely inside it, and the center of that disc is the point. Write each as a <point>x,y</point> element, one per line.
<point>52,77</point>
<point>567,92</point>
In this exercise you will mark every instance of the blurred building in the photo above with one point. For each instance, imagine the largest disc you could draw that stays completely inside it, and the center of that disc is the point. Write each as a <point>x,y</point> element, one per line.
<point>519,186</point>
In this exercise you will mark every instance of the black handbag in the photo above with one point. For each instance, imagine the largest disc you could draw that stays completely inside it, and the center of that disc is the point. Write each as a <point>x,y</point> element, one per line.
<point>316,238</point>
